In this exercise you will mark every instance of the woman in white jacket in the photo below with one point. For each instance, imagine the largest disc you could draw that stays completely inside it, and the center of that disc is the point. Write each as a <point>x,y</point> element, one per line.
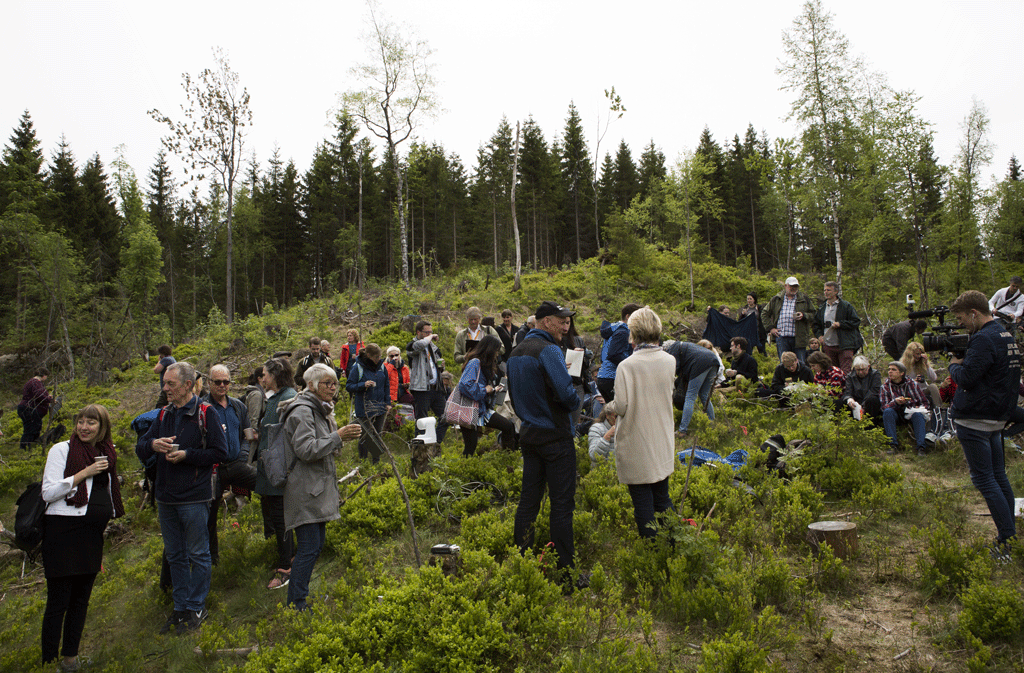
<point>82,493</point>
<point>645,454</point>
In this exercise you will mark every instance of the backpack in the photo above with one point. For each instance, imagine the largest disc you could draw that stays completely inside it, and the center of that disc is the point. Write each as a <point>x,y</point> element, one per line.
<point>275,458</point>
<point>29,520</point>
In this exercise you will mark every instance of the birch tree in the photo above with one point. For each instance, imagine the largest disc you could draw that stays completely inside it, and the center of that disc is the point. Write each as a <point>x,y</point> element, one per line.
<point>397,91</point>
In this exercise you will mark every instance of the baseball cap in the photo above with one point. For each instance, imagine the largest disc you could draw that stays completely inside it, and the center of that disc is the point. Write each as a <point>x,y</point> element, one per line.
<point>551,308</point>
<point>792,281</point>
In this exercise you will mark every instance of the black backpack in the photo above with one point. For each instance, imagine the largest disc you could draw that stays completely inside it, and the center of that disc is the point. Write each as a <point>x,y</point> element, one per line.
<point>29,521</point>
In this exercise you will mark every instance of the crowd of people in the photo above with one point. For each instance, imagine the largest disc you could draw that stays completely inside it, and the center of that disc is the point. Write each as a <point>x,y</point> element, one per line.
<point>536,385</point>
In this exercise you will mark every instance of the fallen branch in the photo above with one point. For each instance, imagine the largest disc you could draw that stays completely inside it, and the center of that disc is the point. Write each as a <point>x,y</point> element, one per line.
<point>231,651</point>
<point>903,654</point>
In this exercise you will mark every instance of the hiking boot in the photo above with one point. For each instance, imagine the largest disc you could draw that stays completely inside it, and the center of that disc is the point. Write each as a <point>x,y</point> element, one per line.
<point>193,620</point>
<point>582,582</point>
<point>175,620</point>
<point>922,451</point>
<point>1000,553</point>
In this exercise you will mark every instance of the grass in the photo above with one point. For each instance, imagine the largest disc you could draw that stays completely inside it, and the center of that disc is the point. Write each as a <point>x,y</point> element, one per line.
<point>739,592</point>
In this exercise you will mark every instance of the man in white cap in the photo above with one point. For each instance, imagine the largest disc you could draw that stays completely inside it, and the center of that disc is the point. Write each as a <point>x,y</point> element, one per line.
<point>787,317</point>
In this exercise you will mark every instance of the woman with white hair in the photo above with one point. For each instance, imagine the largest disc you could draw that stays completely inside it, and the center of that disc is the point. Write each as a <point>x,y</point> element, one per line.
<point>472,334</point>
<point>862,389</point>
<point>645,451</point>
<point>311,492</point>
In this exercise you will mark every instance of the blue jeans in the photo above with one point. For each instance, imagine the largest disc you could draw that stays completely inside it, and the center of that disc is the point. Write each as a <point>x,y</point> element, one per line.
<point>788,344</point>
<point>984,454</point>
<point>699,386</point>
<point>648,501</point>
<point>309,540</point>
<point>187,547</point>
<point>552,465</point>
<point>891,417</point>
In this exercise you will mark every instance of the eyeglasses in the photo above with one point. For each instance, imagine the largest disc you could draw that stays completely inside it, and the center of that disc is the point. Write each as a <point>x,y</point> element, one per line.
<point>222,382</point>
<point>329,384</point>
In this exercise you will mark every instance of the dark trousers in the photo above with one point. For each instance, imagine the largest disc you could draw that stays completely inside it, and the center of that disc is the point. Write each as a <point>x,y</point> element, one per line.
<point>554,466</point>
<point>32,425</point>
<point>840,358</point>
<point>311,538</point>
<point>67,601</point>
<point>272,507</point>
<point>471,436</point>
<point>649,500</point>
<point>426,401</point>
<point>983,451</point>
<point>368,447</point>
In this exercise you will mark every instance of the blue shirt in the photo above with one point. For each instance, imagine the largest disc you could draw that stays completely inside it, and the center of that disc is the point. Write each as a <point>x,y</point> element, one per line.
<point>231,424</point>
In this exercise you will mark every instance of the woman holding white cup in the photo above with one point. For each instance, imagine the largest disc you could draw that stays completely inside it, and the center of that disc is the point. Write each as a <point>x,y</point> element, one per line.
<point>82,493</point>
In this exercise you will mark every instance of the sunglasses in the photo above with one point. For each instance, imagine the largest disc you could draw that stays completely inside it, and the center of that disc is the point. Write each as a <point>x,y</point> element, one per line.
<point>221,382</point>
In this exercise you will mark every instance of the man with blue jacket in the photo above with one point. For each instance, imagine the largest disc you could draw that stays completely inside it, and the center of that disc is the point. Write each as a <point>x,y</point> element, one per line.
<point>187,440</point>
<point>616,348</point>
<point>544,398</point>
<point>987,378</point>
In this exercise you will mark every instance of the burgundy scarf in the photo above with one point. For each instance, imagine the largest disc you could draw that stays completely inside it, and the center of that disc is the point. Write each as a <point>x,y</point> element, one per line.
<point>80,456</point>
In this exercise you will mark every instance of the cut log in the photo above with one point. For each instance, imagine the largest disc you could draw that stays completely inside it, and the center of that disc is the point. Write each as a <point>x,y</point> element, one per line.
<point>841,536</point>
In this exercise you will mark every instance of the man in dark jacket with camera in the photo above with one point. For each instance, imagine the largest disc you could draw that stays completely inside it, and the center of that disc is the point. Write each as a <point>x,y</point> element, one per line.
<point>987,378</point>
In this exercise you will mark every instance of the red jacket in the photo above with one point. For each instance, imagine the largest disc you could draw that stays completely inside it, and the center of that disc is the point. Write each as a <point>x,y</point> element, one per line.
<point>347,357</point>
<point>393,374</point>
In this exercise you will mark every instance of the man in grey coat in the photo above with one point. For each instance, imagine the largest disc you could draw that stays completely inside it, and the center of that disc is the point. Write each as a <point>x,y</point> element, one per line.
<point>425,383</point>
<point>311,492</point>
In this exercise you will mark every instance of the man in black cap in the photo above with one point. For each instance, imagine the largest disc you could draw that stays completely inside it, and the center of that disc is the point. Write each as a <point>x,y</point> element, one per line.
<point>544,398</point>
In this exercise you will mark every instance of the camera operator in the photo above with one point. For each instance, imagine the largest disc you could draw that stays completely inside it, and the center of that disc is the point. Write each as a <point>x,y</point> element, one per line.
<point>987,378</point>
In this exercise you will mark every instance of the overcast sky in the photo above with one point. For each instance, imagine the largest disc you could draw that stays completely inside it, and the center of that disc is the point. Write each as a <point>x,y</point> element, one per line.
<point>91,70</point>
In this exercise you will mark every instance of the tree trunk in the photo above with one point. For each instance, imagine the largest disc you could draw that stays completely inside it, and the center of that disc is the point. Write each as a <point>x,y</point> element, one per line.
<point>515,219</point>
<point>229,289</point>
<point>402,236</point>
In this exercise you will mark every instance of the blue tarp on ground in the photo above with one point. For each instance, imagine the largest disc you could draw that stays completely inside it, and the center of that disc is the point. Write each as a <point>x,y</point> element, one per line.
<point>735,460</point>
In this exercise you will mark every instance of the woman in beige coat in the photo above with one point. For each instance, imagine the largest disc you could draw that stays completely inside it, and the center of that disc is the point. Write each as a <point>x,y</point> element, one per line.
<point>644,441</point>
<point>311,492</point>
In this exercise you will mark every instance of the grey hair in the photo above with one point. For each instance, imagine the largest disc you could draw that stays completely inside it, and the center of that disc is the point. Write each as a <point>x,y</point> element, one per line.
<point>317,373</point>
<point>218,366</point>
<point>186,372</point>
<point>860,360</point>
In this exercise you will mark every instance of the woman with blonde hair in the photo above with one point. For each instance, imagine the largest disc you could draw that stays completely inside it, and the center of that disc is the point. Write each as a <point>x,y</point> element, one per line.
<point>82,493</point>
<point>915,359</point>
<point>645,449</point>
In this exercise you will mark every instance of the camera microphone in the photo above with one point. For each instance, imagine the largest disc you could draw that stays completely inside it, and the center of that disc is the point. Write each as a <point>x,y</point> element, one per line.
<point>920,314</point>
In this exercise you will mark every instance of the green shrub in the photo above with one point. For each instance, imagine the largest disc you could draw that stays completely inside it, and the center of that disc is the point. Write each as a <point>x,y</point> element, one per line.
<point>992,612</point>
<point>950,565</point>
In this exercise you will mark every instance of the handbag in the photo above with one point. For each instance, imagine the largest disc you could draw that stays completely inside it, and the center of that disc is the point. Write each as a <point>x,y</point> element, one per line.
<point>461,410</point>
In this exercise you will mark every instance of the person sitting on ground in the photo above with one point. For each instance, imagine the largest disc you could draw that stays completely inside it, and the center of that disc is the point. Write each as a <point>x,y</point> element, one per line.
<point>903,401</point>
<point>601,436</point>
<point>919,368</point>
<point>896,338</point>
<point>826,374</point>
<point>789,370</point>
<point>862,389</point>
<point>473,332</point>
<point>743,366</point>
<point>813,345</point>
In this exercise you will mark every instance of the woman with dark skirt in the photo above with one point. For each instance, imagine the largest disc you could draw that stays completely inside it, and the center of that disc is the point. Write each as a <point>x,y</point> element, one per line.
<point>82,493</point>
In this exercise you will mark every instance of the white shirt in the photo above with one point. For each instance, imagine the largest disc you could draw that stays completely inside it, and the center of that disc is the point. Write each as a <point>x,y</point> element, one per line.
<point>57,487</point>
<point>1015,307</point>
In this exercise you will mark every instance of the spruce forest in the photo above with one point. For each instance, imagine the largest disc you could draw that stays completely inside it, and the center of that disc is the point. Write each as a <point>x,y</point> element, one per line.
<point>233,257</point>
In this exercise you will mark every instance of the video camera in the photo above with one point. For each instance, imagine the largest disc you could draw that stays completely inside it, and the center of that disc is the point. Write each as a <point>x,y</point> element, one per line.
<point>945,338</point>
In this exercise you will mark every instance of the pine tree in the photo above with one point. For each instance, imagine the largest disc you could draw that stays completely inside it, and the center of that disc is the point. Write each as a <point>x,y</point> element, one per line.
<point>626,182</point>
<point>576,174</point>
<point>66,209</point>
<point>100,225</point>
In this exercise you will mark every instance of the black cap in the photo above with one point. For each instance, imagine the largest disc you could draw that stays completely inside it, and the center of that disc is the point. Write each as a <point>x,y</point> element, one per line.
<point>551,308</point>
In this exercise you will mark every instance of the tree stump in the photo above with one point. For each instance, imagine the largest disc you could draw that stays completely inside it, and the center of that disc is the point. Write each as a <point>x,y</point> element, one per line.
<point>841,536</point>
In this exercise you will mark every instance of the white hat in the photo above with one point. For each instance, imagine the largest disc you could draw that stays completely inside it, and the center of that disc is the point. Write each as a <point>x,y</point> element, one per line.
<point>792,281</point>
